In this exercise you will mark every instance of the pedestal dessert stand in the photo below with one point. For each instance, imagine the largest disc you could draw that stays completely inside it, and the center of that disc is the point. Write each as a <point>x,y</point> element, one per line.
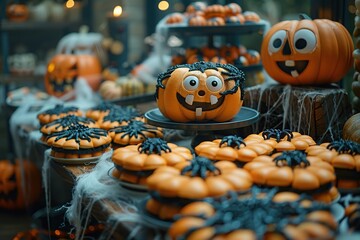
<point>203,130</point>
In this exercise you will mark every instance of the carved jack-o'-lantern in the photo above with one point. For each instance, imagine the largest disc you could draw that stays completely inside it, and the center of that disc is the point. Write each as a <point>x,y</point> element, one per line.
<point>63,70</point>
<point>13,193</point>
<point>307,51</point>
<point>17,12</point>
<point>201,91</point>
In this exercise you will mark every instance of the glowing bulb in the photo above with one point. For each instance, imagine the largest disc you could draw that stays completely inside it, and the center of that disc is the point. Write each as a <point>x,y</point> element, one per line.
<point>117,11</point>
<point>163,5</point>
<point>70,3</point>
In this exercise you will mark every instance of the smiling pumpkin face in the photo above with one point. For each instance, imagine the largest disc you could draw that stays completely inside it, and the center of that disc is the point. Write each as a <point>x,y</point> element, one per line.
<point>201,91</point>
<point>307,51</point>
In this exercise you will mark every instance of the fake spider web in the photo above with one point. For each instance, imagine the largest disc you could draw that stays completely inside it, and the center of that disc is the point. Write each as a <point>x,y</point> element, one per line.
<point>316,111</point>
<point>95,186</point>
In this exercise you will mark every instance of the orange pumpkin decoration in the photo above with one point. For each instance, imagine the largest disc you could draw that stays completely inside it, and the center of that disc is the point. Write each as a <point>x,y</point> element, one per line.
<point>63,70</point>
<point>307,52</point>
<point>215,10</point>
<point>216,21</point>
<point>197,20</point>
<point>295,171</point>
<point>17,12</point>
<point>230,53</point>
<point>351,129</point>
<point>175,18</point>
<point>201,91</point>
<point>14,195</point>
<point>232,9</point>
<point>134,163</point>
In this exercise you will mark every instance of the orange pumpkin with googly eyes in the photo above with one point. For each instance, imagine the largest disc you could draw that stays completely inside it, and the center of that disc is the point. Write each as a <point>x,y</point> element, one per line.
<point>307,52</point>
<point>200,92</point>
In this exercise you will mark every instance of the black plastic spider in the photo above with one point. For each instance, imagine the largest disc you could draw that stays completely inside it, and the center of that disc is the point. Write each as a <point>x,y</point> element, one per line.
<point>200,166</point>
<point>292,159</point>
<point>345,146</point>
<point>153,145</point>
<point>277,134</point>
<point>70,120</point>
<point>79,132</point>
<point>60,108</point>
<point>232,141</point>
<point>135,128</point>
<point>122,114</point>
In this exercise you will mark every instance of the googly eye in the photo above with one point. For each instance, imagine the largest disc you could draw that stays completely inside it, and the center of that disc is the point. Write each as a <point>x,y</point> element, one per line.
<point>214,84</point>
<point>304,41</point>
<point>276,41</point>
<point>191,83</point>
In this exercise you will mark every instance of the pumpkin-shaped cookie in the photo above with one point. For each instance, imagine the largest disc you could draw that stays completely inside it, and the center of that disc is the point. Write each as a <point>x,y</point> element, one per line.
<point>57,112</point>
<point>233,148</point>
<point>200,92</point>
<point>134,163</point>
<point>295,171</point>
<point>260,216</point>
<point>344,155</point>
<point>133,133</point>
<point>198,179</point>
<point>282,140</point>
<point>186,182</point>
<point>79,141</point>
<point>64,123</point>
<point>119,116</point>
<point>100,110</point>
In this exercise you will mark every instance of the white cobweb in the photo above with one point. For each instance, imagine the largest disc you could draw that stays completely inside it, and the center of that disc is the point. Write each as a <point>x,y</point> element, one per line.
<point>316,111</point>
<point>93,187</point>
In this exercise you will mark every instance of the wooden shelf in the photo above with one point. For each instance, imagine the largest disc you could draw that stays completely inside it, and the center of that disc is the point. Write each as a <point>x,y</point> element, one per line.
<point>8,79</point>
<point>229,29</point>
<point>36,25</point>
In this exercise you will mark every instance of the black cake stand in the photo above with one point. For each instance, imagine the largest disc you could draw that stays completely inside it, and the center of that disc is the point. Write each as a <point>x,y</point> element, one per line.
<point>203,130</point>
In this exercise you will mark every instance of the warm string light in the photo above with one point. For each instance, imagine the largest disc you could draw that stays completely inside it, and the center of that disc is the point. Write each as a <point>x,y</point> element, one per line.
<point>117,11</point>
<point>70,3</point>
<point>163,5</point>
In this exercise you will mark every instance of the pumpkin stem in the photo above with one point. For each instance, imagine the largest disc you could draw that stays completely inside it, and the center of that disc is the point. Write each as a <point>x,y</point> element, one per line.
<point>303,16</point>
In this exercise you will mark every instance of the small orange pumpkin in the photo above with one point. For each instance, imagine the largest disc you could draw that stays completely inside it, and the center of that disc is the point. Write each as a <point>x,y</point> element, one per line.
<point>201,91</point>
<point>307,52</point>
<point>14,195</point>
<point>351,129</point>
<point>17,12</point>
<point>63,70</point>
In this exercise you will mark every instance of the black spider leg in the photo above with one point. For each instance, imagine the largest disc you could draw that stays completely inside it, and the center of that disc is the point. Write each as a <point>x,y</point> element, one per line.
<point>292,158</point>
<point>199,167</point>
<point>151,144</point>
<point>345,146</point>
<point>232,141</point>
